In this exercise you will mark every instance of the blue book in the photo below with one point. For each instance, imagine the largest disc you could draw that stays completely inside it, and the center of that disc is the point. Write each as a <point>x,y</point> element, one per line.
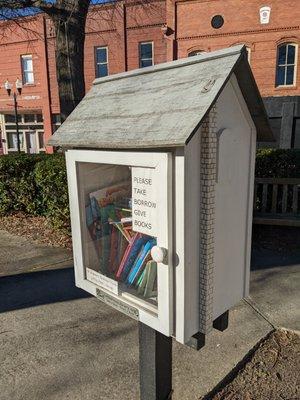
<point>137,266</point>
<point>134,251</point>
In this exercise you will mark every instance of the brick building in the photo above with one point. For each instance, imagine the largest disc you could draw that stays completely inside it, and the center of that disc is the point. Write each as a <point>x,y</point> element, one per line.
<point>130,35</point>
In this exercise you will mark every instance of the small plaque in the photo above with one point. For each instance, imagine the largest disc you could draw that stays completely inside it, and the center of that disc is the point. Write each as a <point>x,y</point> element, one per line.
<point>117,304</point>
<point>264,13</point>
<point>102,280</point>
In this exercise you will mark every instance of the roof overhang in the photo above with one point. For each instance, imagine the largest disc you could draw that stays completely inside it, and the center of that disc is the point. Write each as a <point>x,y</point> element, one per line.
<point>160,106</point>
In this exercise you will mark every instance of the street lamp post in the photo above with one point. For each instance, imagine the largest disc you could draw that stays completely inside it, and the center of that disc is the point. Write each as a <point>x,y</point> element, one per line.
<point>8,86</point>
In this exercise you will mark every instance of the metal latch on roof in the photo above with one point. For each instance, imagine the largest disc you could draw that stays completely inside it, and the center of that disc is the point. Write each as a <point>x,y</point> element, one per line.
<point>209,84</point>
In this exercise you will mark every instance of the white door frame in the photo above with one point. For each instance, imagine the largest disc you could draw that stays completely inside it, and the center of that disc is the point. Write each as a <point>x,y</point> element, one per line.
<point>161,321</point>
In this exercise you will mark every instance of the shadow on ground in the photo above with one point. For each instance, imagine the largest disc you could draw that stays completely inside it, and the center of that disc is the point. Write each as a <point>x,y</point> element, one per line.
<point>275,246</point>
<point>29,290</point>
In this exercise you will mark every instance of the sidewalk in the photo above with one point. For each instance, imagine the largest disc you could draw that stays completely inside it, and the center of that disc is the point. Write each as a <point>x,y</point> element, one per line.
<point>56,345</point>
<point>19,255</point>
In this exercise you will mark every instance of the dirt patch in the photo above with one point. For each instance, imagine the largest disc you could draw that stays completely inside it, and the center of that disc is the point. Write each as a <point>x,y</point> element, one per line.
<point>37,229</point>
<point>272,373</point>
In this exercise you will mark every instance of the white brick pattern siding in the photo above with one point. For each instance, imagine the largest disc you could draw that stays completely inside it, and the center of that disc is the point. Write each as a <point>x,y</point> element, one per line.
<point>207,220</point>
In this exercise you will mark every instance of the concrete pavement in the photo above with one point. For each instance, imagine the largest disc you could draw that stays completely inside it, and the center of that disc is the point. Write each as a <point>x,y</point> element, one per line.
<point>57,345</point>
<point>19,255</point>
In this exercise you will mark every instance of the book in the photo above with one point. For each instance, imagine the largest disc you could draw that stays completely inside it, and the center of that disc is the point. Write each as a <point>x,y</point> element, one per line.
<point>99,213</point>
<point>111,194</point>
<point>114,239</point>
<point>151,280</point>
<point>124,262</point>
<point>147,283</point>
<point>138,242</point>
<point>133,273</point>
<point>92,213</point>
<point>141,269</point>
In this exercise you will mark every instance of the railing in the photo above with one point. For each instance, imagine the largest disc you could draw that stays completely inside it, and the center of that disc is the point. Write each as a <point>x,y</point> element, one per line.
<point>277,201</point>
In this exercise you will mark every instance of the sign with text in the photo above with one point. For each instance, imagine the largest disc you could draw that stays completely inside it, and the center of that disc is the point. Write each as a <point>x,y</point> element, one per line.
<point>102,280</point>
<point>118,305</point>
<point>144,203</point>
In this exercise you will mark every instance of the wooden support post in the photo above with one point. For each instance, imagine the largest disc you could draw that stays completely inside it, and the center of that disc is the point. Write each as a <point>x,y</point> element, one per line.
<point>197,341</point>
<point>221,323</point>
<point>155,364</point>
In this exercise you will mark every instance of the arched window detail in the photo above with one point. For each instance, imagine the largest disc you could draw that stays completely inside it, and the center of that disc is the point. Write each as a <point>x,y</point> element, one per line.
<point>195,53</point>
<point>286,64</point>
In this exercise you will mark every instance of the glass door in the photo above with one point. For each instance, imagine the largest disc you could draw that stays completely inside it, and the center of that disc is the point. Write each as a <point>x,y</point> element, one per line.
<point>31,144</point>
<point>123,211</point>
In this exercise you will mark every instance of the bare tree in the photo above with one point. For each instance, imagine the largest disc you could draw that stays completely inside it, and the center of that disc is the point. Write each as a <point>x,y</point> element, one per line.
<point>69,20</point>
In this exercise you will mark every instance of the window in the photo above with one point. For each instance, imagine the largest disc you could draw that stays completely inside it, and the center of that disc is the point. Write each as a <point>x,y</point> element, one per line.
<point>29,118</point>
<point>31,131</point>
<point>12,140</point>
<point>101,62</point>
<point>10,118</point>
<point>195,53</point>
<point>146,54</point>
<point>41,140</point>
<point>56,119</point>
<point>39,118</point>
<point>286,64</point>
<point>27,69</point>
<point>56,122</point>
<point>217,21</point>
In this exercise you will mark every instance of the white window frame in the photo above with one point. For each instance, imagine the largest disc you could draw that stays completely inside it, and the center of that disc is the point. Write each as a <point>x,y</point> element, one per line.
<point>286,65</point>
<point>25,71</point>
<point>14,149</point>
<point>22,132</point>
<point>159,318</point>
<point>248,49</point>
<point>101,63</point>
<point>146,59</point>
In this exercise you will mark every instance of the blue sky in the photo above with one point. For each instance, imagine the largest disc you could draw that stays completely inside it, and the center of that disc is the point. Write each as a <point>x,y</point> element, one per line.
<point>29,11</point>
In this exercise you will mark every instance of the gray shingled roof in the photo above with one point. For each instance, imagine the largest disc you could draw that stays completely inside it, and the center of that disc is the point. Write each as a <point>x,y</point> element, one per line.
<point>159,106</point>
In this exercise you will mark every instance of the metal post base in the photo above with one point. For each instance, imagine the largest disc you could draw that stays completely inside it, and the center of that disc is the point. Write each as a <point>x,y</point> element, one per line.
<point>221,323</point>
<point>155,364</point>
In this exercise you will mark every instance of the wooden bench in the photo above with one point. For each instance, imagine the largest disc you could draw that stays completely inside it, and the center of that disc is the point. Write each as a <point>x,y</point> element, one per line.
<point>277,201</point>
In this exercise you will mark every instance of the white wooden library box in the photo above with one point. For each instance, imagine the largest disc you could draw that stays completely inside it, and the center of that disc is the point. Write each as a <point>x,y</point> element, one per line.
<point>160,166</point>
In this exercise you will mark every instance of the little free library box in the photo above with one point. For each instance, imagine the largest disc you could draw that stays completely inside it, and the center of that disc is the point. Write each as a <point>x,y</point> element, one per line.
<point>160,166</point>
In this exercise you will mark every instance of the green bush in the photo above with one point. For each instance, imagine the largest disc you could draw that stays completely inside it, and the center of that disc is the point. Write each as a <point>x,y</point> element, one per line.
<point>36,185</point>
<point>277,163</point>
<point>51,181</point>
<point>18,191</point>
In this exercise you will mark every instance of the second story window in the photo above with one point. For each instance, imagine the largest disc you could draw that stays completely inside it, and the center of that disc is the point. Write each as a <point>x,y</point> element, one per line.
<point>195,53</point>
<point>101,61</point>
<point>27,69</point>
<point>286,65</point>
<point>146,54</point>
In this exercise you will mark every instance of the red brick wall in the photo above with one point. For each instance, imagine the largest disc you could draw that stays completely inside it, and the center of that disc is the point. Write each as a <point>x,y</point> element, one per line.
<point>120,27</point>
<point>16,42</point>
<point>124,26</point>
<point>192,22</point>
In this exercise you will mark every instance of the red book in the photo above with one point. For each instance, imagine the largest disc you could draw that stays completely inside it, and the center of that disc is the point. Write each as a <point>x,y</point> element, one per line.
<point>126,254</point>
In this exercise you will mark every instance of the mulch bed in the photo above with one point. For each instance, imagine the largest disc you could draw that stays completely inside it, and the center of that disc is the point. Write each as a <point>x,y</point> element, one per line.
<point>36,229</point>
<point>272,373</point>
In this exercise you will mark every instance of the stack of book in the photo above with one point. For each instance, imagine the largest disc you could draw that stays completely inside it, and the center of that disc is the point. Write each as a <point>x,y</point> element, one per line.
<point>123,254</point>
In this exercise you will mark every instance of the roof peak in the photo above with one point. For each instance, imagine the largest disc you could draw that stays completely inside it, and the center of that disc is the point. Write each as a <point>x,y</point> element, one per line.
<point>173,64</point>
<point>161,106</point>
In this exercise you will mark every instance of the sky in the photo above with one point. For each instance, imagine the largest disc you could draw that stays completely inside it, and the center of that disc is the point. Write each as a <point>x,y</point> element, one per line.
<point>7,14</point>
